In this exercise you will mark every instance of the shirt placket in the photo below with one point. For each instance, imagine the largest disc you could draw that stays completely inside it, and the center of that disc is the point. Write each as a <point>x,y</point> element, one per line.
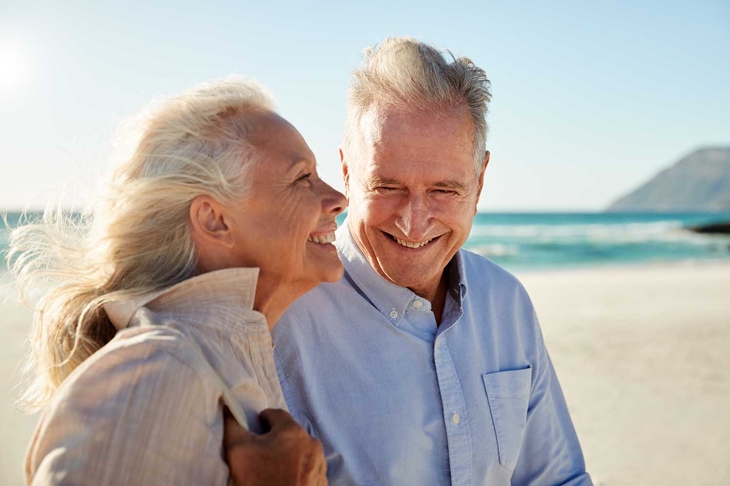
<point>455,418</point>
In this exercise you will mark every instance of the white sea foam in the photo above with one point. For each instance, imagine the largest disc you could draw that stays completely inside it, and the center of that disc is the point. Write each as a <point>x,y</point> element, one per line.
<point>663,231</point>
<point>496,250</point>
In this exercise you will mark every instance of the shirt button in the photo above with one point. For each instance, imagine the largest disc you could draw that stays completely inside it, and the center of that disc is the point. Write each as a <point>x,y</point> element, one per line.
<point>417,304</point>
<point>393,314</point>
<point>456,419</point>
<point>438,343</point>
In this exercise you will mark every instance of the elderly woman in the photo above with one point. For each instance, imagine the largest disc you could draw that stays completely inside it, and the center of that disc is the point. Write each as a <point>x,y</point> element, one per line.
<point>160,309</point>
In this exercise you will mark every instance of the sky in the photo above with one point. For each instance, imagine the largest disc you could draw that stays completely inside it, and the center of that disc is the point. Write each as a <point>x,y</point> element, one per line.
<point>589,101</point>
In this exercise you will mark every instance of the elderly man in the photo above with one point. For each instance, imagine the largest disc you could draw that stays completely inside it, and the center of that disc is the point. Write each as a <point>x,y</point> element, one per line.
<point>424,364</point>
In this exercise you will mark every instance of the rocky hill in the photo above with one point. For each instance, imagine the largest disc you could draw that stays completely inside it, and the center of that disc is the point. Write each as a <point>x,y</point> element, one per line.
<point>698,182</point>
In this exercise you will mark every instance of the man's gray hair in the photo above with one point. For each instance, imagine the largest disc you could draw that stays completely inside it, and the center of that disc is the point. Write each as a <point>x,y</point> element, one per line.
<point>403,71</point>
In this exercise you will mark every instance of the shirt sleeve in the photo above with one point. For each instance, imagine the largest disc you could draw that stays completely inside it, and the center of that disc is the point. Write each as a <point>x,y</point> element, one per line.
<point>139,414</point>
<point>550,453</point>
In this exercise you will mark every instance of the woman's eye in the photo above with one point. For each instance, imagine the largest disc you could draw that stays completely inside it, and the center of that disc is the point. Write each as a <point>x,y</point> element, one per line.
<point>305,178</point>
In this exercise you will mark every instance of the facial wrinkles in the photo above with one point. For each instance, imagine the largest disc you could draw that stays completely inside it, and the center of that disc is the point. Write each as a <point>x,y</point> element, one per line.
<point>427,210</point>
<point>415,213</point>
<point>289,195</point>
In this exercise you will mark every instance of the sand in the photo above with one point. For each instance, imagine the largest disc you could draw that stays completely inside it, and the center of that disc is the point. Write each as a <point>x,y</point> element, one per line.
<point>15,428</point>
<point>642,353</point>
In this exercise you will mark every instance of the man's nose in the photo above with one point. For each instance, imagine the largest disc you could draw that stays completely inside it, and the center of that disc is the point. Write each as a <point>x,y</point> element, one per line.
<point>414,218</point>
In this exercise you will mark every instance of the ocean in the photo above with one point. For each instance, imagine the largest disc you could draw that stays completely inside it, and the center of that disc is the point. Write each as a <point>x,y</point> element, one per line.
<point>546,241</point>
<point>526,241</point>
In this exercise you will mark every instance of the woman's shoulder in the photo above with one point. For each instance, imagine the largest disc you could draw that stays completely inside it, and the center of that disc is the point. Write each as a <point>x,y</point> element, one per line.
<point>133,398</point>
<point>149,343</point>
<point>143,358</point>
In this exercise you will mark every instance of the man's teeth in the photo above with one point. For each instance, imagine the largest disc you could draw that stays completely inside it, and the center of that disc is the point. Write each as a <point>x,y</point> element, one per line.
<point>408,244</point>
<point>322,239</point>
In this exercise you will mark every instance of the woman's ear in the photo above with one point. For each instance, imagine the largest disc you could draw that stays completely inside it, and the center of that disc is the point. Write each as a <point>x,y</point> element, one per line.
<point>210,224</point>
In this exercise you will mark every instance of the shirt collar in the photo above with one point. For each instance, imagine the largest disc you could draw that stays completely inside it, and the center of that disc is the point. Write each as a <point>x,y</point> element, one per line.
<point>390,299</point>
<point>228,287</point>
<point>457,277</point>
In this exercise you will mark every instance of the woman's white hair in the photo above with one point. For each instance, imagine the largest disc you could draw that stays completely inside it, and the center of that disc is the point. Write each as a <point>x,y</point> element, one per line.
<point>408,73</point>
<point>137,238</point>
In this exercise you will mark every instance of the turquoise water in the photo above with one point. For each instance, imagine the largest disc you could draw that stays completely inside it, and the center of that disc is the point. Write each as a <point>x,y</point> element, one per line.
<point>524,241</point>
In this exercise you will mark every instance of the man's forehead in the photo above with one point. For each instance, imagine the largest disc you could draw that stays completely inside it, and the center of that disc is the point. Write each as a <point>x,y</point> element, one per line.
<point>393,134</point>
<point>380,121</point>
<point>371,124</point>
<point>390,173</point>
<point>418,172</point>
<point>400,126</point>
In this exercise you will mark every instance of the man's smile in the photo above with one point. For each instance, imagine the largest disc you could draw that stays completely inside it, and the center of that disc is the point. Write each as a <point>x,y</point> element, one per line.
<point>410,244</point>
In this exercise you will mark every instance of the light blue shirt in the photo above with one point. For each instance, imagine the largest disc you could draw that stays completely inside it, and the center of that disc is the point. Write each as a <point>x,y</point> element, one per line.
<point>396,399</point>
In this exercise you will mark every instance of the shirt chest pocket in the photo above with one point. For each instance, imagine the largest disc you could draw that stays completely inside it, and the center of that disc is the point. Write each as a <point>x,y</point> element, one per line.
<point>508,393</point>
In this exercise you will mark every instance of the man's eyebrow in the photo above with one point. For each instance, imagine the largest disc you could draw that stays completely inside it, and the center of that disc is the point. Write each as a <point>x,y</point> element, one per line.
<point>383,181</point>
<point>457,185</point>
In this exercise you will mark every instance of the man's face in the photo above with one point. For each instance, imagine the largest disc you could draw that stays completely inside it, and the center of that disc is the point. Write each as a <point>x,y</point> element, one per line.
<point>412,190</point>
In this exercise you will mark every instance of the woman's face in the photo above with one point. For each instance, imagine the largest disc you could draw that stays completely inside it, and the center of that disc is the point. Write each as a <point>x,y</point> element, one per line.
<point>286,225</point>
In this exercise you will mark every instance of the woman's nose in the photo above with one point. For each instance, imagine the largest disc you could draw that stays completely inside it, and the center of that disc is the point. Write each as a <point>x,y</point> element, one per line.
<point>333,201</point>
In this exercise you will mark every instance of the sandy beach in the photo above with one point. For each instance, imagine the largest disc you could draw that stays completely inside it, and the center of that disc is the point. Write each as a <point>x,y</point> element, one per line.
<point>643,356</point>
<point>642,353</point>
<point>15,428</point>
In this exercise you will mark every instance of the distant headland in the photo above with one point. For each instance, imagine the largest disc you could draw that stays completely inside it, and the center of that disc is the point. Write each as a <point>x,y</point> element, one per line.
<point>699,182</point>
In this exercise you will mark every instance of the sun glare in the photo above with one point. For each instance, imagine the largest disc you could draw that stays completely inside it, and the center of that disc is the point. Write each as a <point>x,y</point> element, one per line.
<point>13,67</point>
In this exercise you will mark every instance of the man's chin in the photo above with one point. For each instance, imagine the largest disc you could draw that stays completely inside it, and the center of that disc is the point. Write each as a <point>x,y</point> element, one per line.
<point>409,278</point>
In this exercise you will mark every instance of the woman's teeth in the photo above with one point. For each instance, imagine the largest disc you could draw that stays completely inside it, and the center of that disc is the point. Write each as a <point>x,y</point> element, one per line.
<point>408,244</point>
<point>322,239</point>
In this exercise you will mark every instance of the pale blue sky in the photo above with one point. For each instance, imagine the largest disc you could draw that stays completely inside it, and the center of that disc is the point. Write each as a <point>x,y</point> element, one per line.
<point>589,101</point>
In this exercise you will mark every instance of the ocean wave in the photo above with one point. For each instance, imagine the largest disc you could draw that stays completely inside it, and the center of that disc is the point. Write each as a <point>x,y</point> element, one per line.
<point>664,231</point>
<point>495,250</point>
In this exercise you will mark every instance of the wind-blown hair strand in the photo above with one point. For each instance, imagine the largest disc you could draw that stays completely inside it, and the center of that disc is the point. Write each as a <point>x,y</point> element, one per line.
<point>137,238</point>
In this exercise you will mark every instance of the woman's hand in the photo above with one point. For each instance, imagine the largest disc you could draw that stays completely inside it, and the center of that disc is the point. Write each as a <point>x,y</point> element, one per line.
<point>286,455</point>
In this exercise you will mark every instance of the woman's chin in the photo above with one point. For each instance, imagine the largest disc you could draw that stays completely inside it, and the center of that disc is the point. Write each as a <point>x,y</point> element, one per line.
<point>329,272</point>
<point>335,273</point>
<point>324,263</point>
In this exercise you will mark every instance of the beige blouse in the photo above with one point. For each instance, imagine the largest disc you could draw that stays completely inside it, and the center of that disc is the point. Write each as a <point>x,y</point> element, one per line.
<point>145,409</point>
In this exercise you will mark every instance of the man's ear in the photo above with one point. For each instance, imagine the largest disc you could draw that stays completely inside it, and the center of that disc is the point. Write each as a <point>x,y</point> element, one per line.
<point>345,172</point>
<point>481,179</point>
<point>209,223</point>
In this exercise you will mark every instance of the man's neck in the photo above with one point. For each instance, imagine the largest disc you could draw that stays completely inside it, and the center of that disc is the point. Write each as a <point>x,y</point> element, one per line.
<point>436,295</point>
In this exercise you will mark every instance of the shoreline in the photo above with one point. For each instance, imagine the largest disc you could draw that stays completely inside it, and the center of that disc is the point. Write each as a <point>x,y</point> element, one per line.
<point>624,266</point>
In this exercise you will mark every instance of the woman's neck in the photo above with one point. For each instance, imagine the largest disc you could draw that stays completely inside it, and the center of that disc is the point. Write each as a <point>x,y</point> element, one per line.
<point>274,298</point>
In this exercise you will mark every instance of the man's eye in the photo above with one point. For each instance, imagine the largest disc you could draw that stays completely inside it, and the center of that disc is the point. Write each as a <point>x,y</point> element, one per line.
<point>385,189</point>
<point>444,192</point>
<point>305,178</point>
